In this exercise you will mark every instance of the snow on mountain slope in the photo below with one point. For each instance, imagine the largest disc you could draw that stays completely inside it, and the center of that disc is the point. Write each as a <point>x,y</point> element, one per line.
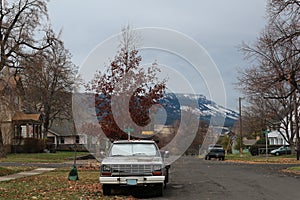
<point>174,104</point>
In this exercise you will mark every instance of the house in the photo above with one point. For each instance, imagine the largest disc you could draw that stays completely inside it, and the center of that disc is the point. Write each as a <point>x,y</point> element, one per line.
<point>10,101</point>
<point>18,129</point>
<point>63,135</point>
<point>275,138</point>
<point>23,132</point>
<point>249,142</point>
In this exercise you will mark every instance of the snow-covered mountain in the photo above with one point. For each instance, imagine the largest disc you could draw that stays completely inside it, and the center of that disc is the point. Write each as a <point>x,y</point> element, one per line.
<point>206,109</point>
<point>173,106</point>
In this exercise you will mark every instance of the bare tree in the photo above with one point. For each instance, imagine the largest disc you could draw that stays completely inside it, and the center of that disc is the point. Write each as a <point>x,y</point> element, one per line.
<point>20,25</point>
<point>275,73</point>
<point>49,78</point>
<point>286,13</point>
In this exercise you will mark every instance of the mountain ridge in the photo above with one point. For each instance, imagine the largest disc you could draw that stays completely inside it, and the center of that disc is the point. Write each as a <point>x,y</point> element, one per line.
<point>175,103</point>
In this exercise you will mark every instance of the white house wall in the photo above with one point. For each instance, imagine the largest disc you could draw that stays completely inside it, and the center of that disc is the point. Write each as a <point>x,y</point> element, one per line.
<point>275,138</point>
<point>72,139</point>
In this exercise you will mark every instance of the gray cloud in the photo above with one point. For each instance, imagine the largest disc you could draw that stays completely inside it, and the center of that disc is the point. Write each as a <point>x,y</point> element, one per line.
<point>220,26</point>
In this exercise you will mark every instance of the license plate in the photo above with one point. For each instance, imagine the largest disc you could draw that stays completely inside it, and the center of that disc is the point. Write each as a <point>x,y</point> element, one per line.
<point>131,182</point>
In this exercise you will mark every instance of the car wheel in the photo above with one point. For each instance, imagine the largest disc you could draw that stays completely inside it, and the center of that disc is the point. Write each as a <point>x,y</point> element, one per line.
<point>208,158</point>
<point>277,154</point>
<point>166,177</point>
<point>106,189</point>
<point>158,188</point>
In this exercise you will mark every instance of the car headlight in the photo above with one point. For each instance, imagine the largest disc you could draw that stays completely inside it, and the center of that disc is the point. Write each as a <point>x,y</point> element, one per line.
<point>157,170</point>
<point>105,170</point>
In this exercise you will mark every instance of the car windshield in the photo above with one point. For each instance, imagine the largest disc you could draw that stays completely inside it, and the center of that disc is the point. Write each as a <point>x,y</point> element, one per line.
<point>283,148</point>
<point>217,150</point>
<point>134,149</point>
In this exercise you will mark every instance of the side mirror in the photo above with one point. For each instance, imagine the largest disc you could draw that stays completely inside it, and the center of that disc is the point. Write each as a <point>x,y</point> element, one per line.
<point>103,153</point>
<point>165,154</point>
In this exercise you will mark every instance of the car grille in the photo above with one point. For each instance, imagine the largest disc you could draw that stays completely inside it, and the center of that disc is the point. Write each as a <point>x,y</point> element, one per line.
<point>124,169</point>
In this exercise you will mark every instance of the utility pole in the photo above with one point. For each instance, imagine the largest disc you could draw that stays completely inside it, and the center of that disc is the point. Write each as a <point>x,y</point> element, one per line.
<point>296,124</point>
<point>241,126</point>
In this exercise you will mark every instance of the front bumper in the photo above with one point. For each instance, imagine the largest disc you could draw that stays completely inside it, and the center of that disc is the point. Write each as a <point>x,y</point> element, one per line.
<point>140,180</point>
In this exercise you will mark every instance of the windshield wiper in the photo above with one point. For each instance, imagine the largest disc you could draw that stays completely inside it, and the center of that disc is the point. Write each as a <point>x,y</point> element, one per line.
<point>139,154</point>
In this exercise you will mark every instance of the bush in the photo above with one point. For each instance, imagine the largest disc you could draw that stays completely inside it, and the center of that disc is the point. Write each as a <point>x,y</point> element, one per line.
<point>237,145</point>
<point>33,145</point>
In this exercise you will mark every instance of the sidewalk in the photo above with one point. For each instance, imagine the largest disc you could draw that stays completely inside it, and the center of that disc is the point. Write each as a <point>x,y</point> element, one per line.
<point>25,174</point>
<point>46,167</point>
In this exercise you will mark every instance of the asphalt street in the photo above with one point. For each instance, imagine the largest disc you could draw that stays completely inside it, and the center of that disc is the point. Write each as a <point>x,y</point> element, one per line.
<point>194,178</point>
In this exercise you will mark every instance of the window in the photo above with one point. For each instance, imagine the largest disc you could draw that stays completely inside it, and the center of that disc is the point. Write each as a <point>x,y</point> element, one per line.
<point>134,150</point>
<point>62,140</point>
<point>77,139</point>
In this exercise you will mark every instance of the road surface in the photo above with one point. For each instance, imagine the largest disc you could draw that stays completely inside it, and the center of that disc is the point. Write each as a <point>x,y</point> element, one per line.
<point>194,178</point>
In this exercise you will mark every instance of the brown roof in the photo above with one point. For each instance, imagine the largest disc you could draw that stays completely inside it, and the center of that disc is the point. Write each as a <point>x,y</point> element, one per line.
<point>20,116</point>
<point>249,142</point>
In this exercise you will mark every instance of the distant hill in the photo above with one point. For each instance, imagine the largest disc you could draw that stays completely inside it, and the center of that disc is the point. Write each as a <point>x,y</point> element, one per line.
<point>199,105</point>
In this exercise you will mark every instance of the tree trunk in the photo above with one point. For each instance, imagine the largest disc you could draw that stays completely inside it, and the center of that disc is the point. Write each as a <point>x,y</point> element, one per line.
<point>296,124</point>
<point>2,149</point>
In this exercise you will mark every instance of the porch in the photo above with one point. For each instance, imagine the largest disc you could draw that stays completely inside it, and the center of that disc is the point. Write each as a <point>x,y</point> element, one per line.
<point>27,133</point>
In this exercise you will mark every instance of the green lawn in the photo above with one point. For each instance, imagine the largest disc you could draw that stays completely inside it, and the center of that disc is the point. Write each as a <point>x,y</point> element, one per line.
<point>55,185</point>
<point>297,169</point>
<point>58,157</point>
<point>247,157</point>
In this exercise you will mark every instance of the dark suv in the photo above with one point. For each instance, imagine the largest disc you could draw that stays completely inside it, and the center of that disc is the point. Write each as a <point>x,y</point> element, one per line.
<point>218,153</point>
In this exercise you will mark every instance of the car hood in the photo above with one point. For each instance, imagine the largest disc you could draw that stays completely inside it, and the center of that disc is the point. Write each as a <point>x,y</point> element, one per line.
<point>132,160</point>
<point>273,151</point>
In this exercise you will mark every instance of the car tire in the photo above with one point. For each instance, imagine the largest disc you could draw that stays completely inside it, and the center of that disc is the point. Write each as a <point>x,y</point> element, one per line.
<point>106,189</point>
<point>158,188</point>
<point>277,154</point>
<point>166,176</point>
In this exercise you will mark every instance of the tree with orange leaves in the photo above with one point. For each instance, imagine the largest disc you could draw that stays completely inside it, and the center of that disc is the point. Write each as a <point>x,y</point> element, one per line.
<point>125,89</point>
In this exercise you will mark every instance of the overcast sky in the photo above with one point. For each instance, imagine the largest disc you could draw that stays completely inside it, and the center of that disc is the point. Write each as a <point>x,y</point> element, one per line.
<point>217,26</point>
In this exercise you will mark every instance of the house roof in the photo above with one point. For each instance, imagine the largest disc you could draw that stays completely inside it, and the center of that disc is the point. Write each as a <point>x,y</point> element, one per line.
<point>249,142</point>
<point>20,116</point>
<point>275,134</point>
<point>62,128</point>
